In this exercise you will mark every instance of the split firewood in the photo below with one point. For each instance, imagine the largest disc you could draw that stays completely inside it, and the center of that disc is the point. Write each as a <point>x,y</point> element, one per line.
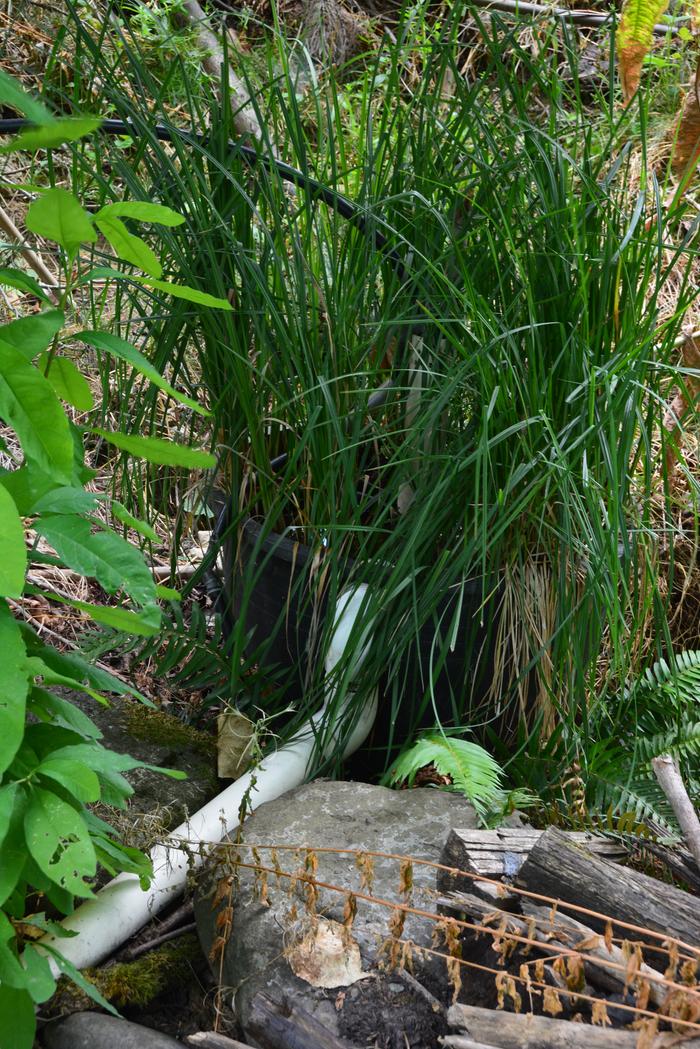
<point>559,868</point>
<point>566,931</point>
<point>502,1030</point>
<point>604,968</point>
<point>501,853</point>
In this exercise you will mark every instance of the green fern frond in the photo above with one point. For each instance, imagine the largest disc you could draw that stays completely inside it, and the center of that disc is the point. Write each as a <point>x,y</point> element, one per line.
<point>471,768</point>
<point>634,39</point>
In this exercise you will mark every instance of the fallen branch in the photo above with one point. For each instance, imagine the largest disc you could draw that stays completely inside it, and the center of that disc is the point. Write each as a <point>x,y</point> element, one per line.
<point>672,785</point>
<point>245,119</point>
<point>214,1040</point>
<point>45,275</point>
<point>590,19</point>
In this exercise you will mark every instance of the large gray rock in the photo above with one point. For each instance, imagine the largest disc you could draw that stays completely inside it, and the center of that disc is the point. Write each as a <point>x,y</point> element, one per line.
<point>269,944</point>
<point>97,1031</point>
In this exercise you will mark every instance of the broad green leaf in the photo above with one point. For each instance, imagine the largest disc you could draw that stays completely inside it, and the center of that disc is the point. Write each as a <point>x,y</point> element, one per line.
<point>102,555</point>
<point>8,794</point>
<point>155,450</point>
<point>13,549</point>
<point>34,334</point>
<point>182,291</point>
<point>49,707</point>
<point>39,979</point>
<point>29,405</point>
<point>12,278</point>
<point>178,291</point>
<point>142,210</point>
<point>27,486</point>
<point>14,851</point>
<point>49,136</point>
<point>79,980</point>
<point>66,501</point>
<point>69,383</point>
<point>73,665</point>
<point>124,351</point>
<point>58,216</point>
<point>14,685</point>
<point>127,246</point>
<point>59,841</point>
<point>122,514</point>
<point>75,777</point>
<point>166,593</point>
<point>102,760</point>
<point>11,94</point>
<point>11,972</point>
<point>17,1019</point>
<point>36,667</point>
<point>145,623</point>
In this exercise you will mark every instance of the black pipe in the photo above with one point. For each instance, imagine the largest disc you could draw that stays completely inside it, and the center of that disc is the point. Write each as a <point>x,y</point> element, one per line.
<point>345,207</point>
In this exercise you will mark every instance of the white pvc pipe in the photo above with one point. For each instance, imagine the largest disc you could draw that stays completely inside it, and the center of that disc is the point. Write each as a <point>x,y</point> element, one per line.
<point>122,907</point>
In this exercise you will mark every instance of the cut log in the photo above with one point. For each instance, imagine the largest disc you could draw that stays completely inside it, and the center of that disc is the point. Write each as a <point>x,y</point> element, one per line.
<point>561,932</point>
<point>524,1031</point>
<point>277,1026</point>
<point>501,853</point>
<point>559,868</point>
<point>214,1040</point>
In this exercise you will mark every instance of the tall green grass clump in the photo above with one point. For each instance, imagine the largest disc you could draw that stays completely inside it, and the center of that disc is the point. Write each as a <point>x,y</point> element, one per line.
<point>504,500</point>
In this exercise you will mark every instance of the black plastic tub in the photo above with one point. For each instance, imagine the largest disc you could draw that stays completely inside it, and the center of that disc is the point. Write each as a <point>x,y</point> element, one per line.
<point>283,625</point>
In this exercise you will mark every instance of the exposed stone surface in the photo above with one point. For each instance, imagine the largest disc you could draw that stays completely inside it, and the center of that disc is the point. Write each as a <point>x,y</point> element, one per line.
<point>98,1031</point>
<point>346,816</point>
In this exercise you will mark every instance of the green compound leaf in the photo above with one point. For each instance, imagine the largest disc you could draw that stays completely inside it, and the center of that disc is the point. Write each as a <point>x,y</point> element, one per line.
<point>155,450</point>
<point>122,514</point>
<point>11,94</point>
<point>13,550</point>
<point>58,216</point>
<point>124,351</point>
<point>29,405</point>
<point>178,291</point>
<point>17,1019</point>
<point>12,278</point>
<point>75,777</point>
<point>34,334</point>
<point>68,383</point>
<point>59,842</point>
<point>49,136</point>
<point>102,555</point>
<point>143,211</point>
<point>39,980</point>
<point>127,246</point>
<point>14,685</point>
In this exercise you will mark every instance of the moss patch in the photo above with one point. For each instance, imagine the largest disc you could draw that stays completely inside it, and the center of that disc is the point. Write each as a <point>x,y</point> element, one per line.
<point>155,726</point>
<point>136,983</point>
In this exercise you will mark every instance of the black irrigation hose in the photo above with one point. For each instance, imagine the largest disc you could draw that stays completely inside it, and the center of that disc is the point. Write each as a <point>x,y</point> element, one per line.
<point>344,207</point>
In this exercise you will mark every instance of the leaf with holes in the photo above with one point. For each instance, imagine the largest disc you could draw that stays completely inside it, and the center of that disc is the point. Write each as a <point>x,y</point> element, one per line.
<point>59,842</point>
